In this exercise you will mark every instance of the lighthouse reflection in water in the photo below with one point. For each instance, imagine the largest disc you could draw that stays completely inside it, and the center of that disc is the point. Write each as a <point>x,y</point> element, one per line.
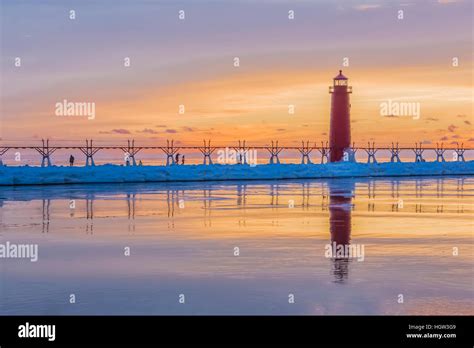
<point>340,250</point>
<point>337,246</point>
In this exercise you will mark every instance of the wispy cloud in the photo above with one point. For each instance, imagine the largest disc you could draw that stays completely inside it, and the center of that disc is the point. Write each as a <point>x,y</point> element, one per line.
<point>366,7</point>
<point>452,127</point>
<point>117,131</point>
<point>148,131</point>
<point>446,2</point>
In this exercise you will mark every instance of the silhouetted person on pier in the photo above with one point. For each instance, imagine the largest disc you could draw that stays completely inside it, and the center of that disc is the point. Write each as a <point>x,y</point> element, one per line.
<point>140,163</point>
<point>177,158</point>
<point>71,160</point>
<point>182,160</point>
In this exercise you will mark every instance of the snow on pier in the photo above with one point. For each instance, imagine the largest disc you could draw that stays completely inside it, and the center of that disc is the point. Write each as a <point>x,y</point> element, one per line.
<point>109,173</point>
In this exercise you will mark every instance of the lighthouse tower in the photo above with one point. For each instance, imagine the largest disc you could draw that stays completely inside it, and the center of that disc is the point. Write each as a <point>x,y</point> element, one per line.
<point>340,127</point>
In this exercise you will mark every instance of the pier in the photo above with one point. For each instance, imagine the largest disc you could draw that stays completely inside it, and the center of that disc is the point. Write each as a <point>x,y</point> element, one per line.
<point>321,151</point>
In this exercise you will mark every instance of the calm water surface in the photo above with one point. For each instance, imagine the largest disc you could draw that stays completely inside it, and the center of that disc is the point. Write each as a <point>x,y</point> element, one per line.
<point>416,235</point>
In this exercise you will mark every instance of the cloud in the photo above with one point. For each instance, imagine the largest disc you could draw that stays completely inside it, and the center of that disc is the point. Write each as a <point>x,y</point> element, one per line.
<point>161,126</point>
<point>432,119</point>
<point>470,139</point>
<point>461,116</point>
<point>188,129</point>
<point>452,127</point>
<point>120,131</point>
<point>148,131</point>
<point>467,122</point>
<point>446,2</point>
<point>455,136</point>
<point>426,142</point>
<point>171,131</point>
<point>365,7</point>
<point>117,131</point>
<point>444,138</point>
<point>281,129</point>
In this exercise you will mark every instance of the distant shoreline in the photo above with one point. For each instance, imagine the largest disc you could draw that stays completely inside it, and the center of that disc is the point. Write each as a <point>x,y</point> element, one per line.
<point>109,173</point>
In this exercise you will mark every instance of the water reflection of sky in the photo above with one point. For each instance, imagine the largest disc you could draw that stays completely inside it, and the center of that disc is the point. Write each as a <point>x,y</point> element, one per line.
<point>182,238</point>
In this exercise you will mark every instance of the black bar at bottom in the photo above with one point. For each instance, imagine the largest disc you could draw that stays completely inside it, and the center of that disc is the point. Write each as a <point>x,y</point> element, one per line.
<point>193,330</point>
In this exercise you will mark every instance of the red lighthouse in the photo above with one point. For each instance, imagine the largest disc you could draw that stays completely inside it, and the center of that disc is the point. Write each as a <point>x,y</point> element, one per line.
<point>340,128</point>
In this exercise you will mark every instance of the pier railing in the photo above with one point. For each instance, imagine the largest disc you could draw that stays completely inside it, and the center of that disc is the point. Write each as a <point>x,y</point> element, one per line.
<point>242,148</point>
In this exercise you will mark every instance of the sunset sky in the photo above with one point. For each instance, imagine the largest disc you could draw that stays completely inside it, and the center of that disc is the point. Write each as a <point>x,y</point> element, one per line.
<point>191,62</point>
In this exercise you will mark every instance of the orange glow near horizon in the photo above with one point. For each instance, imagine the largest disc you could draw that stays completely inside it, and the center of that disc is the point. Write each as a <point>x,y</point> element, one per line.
<point>255,106</point>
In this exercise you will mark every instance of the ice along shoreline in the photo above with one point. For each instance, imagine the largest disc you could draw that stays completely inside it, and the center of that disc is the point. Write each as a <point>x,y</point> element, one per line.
<point>109,173</point>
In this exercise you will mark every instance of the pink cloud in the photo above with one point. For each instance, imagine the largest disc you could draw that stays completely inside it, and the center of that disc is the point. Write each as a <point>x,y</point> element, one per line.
<point>148,131</point>
<point>117,131</point>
